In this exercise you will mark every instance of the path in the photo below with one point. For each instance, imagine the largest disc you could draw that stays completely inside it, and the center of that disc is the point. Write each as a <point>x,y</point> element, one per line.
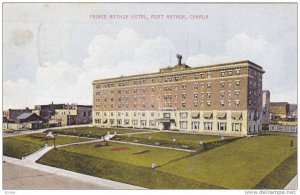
<point>293,184</point>
<point>38,154</point>
<point>162,147</point>
<point>17,177</point>
<point>73,175</point>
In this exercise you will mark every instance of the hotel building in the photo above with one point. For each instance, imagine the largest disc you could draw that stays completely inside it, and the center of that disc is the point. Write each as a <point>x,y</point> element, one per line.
<point>222,99</point>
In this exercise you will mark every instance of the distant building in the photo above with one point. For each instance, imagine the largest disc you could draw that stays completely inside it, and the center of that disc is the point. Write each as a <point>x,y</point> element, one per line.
<point>293,112</point>
<point>72,114</point>
<point>47,110</point>
<point>25,121</point>
<point>11,115</point>
<point>266,107</point>
<point>284,125</point>
<point>279,109</point>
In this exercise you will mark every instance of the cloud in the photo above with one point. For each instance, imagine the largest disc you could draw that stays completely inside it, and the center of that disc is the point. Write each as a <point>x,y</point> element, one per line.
<point>264,53</point>
<point>126,53</point>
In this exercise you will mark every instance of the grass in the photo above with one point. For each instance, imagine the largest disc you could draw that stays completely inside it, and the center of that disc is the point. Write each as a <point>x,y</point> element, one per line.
<point>281,175</point>
<point>237,165</point>
<point>166,139</point>
<point>119,171</point>
<point>126,153</point>
<point>39,138</point>
<point>18,148</point>
<point>93,131</point>
<point>23,145</point>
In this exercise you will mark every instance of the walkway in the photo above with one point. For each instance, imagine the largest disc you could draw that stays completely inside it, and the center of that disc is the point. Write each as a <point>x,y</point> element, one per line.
<point>72,175</point>
<point>293,184</point>
<point>17,177</point>
<point>161,147</point>
<point>38,154</point>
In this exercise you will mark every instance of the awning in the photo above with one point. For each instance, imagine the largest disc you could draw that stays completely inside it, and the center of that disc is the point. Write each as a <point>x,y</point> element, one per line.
<point>236,115</point>
<point>165,120</point>
<point>207,114</point>
<point>105,121</point>
<point>221,114</point>
<point>195,114</point>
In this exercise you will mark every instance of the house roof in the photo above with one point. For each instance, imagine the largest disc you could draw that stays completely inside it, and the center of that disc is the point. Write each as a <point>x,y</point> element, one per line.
<point>25,115</point>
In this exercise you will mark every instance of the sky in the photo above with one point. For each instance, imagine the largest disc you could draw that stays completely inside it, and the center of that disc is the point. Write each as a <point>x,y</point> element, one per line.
<point>53,52</point>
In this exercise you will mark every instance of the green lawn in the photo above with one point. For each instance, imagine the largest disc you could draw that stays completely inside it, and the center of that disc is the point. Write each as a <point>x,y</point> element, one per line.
<point>93,131</point>
<point>125,153</point>
<point>18,148</point>
<point>237,165</point>
<point>124,166</point>
<point>39,138</point>
<point>23,145</point>
<point>166,139</point>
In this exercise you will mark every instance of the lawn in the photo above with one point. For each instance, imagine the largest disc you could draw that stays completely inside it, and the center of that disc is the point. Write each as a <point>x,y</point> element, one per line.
<point>39,138</point>
<point>166,139</point>
<point>237,165</point>
<point>23,145</point>
<point>93,131</point>
<point>16,148</point>
<point>116,163</point>
<point>127,153</point>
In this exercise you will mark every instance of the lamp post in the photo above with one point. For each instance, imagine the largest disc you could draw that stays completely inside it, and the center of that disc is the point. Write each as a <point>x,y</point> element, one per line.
<point>54,138</point>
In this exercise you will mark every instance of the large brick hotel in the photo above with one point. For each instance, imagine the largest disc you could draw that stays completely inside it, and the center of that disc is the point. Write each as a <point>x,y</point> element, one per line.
<point>224,99</point>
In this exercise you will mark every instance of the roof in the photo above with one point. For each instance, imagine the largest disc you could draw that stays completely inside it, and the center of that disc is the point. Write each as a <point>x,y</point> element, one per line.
<point>25,115</point>
<point>153,74</point>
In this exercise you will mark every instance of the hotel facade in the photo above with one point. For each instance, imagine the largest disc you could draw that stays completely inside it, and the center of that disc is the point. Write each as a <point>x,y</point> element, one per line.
<point>222,99</point>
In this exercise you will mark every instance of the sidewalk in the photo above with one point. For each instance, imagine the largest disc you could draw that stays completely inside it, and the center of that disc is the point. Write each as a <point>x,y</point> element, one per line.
<point>38,154</point>
<point>73,175</point>
<point>293,184</point>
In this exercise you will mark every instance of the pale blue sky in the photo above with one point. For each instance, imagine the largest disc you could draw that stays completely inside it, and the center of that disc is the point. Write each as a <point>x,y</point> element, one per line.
<point>77,50</point>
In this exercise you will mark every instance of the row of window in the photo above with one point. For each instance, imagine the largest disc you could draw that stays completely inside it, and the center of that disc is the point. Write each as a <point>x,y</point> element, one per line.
<point>170,79</point>
<point>221,126</point>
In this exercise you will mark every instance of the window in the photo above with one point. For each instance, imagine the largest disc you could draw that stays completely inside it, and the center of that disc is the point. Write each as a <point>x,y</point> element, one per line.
<point>183,115</point>
<point>195,104</point>
<point>208,95</point>
<point>183,86</point>
<point>152,89</point>
<point>153,80</point>
<point>229,93</point>
<point>202,85</point>
<point>134,90</point>
<point>183,124</point>
<point>229,83</point>
<point>237,71</point>
<point>183,96</point>
<point>207,125</point>
<point>236,127</point>
<point>183,104</point>
<point>202,95</point>
<point>229,102</point>
<point>222,74</point>
<point>222,126</point>
<point>176,78</point>
<point>195,76</point>
<point>222,103</point>
<point>183,77</point>
<point>222,84</point>
<point>208,85</point>
<point>237,102</point>
<point>202,75</point>
<point>195,125</point>
<point>222,94</point>
<point>208,104</point>
<point>237,83</point>
<point>230,73</point>
<point>152,114</point>
<point>195,86</point>
<point>237,93</point>
<point>195,95</point>
<point>152,123</point>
